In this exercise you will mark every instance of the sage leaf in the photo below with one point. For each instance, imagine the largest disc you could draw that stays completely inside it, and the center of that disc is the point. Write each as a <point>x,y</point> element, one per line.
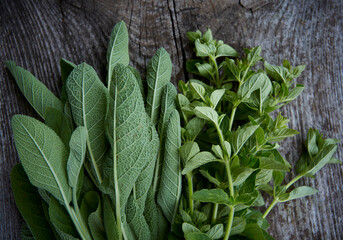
<point>299,192</point>
<point>194,127</point>
<point>60,123</point>
<point>170,182</point>
<point>216,195</point>
<point>38,95</point>
<point>198,160</point>
<point>158,75</point>
<point>43,156</point>
<point>77,154</point>
<point>139,80</point>
<point>134,141</point>
<point>29,204</point>
<point>118,49</point>
<point>61,221</point>
<point>109,219</point>
<point>66,68</point>
<point>25,233</point>
<point>88,102</point>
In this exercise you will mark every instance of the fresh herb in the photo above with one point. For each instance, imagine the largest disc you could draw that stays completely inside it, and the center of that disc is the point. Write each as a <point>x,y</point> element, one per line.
<point>230,142</point>
<point>136,160</point>
<point>102,166</point>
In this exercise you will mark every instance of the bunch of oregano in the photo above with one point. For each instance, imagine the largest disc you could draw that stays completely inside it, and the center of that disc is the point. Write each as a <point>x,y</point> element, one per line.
<point>230,142</point>
<point>108,162</point>
<point>105,163</point>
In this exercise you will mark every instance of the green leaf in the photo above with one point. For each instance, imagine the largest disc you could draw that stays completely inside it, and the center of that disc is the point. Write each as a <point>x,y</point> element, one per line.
<point>118,49</point>
<point>187,228</point>
<point>188,150</point>
<point>225,50</point>
<point>238,226</point>
<point>192,36</point>
<point>216,232</point>
<point>132,136</point>
<point>210,178</point>
<point>207,37</point>
<point>196,236</point>
<point>298,70</point>
<point>198,160</point>
<point>270,163</point>
<point>205,70</point>
<point>252,84</point>
<point>216,195</point>
<point>198,91</point>
<point>230,63</point>
<point>194,127</point>
<point>253,231</point>
<point>218,151</point>
<point>216,96</point>
<point>109,219</point>
<point>240,136</point>
<point>88,102</point>
<point>299,192</point>
<point>95,223</point>
<point>43,156</point>
<point>207,113</point>
<point>61,221</point>
<point>279,73</point>
<point>29,204</point>
<point>253,55</point>
<point>25,233</point>
<point>77,154</point>
<point>295,92</point>
<point>60,123</point>
<point>158,75</point>
<point>240,174</point>
<point>169,192</point>
<point>140,82</point>
<point>66,68</point>
<point>38,95</point>
<point>167,107</point>
<point>277,178</point>
<point>202,50</point>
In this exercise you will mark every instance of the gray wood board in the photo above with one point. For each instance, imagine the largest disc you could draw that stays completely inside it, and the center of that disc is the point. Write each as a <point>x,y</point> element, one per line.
<point>36,34</point>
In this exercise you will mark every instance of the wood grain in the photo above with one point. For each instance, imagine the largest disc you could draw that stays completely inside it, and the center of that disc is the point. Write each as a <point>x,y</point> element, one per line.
<point>36,34</point>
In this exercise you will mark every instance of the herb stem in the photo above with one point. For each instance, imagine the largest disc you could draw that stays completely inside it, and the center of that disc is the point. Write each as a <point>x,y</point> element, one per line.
<point>294,180</point>
<point>229,223</point>
<point>233,112</point>
<point>275,201</point>
<point>190,193</point>
<point>229,176</point>
<point>214,213</point>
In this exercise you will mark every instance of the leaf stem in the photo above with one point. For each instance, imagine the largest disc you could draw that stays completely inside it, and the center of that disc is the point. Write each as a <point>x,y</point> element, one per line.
<point>229,176</point>
<point>233,112</point>
<point>81,221</point>
<point>275,201</point>
<point>229,223</point>
<point>214,213</point>
<point>294,180</point>
<point>190,193</point>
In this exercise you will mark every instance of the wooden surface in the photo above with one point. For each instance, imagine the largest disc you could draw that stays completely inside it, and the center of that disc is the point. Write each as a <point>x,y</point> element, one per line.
<point>36,34</point>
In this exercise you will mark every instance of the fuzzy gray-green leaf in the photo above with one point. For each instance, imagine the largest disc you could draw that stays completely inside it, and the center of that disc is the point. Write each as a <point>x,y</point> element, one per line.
<point>158,75</point>
<point>118,49</point>
<point>38,95</point>
<point>129,133</point>
<point>29,204</point>
<point>43,155</point>
<point>87,97</point>
<point>170,182</point>
<point>77,154</point>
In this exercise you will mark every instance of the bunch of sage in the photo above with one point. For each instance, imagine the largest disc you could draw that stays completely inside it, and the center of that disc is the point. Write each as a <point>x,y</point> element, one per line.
<point>105,162</point>
<point>230,142</point>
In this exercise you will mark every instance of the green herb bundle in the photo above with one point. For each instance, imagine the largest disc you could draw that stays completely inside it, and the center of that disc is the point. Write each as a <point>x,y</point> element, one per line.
<point>107,162</point>
<point>230,142</point>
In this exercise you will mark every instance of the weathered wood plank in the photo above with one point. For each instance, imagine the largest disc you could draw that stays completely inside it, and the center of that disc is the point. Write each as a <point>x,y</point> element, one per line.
<point>37,33</point>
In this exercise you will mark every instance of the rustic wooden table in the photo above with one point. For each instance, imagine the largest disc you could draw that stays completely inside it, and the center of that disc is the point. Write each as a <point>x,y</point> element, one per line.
<point>36,34</point>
